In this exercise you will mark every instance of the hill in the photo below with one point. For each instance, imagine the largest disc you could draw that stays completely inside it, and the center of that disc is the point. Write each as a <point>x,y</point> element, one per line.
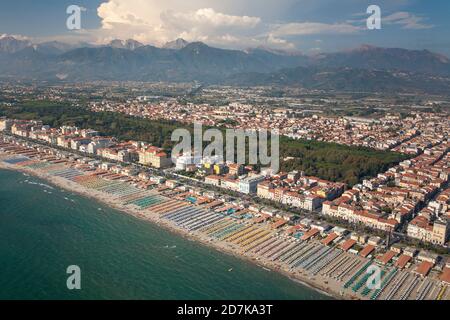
<point>363,69</point>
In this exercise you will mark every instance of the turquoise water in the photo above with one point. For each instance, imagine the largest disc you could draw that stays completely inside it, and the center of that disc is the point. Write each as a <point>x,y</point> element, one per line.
<point>44,229</point>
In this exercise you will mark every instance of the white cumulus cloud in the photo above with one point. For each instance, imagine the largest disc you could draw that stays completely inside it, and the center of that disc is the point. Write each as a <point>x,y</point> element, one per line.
<point>157,22</point>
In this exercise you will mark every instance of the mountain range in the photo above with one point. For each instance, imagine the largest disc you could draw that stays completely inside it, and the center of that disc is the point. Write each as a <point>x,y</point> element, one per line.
<point>366,68</point>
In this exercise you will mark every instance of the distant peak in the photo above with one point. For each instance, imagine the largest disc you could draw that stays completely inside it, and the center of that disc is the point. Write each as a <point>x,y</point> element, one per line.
<point>129,44</point>
<point>176,44</point>
<point>6,36</point>
<point>13,37</point>
<point>12,44</point>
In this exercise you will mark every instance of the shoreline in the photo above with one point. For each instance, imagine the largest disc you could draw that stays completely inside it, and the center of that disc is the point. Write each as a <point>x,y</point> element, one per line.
<point>170,227</point>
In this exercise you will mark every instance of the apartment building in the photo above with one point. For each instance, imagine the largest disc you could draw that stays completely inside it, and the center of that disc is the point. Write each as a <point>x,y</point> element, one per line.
<point>422,228</point>
<point>155,157</point>
<point>5,124</point>
<point>249,185</point>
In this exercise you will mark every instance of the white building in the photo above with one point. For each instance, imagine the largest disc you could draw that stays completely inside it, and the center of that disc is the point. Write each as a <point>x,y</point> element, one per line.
<point>5,124</point>
<point>183,161</point>
<point>98,143</point>
<point>249,185</point>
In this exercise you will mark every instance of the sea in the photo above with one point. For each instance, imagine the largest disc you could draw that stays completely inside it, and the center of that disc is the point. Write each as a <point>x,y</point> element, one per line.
<point>44,230</point>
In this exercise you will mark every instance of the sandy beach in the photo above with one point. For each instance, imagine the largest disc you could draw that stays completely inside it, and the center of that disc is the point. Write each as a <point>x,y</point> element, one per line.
<point>328,269</point>
<point>321,284</point>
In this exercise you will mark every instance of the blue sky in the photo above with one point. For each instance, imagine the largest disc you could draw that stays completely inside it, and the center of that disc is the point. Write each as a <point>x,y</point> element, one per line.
<point>306,25</point>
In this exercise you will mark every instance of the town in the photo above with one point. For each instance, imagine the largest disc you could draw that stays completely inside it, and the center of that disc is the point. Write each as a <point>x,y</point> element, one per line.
<point>287,221</point>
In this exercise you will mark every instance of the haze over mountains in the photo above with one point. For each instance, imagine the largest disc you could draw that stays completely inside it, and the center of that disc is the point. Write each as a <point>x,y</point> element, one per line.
<point>176,44</point>
<point>366,68</point>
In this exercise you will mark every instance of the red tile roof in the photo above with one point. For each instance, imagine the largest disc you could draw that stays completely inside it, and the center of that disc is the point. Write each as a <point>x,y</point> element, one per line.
<point>279,224</point>
<point>424,268</point>
<point>445,276</point>
<point>385,258</point>
<point>311,233</point>
<point>348,244</point>
<point>402,261</point>
<point>367,250</point>
<point>329,239</point>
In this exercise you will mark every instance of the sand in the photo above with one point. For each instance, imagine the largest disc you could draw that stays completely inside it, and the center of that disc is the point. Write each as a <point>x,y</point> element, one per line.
<point>324,285</point>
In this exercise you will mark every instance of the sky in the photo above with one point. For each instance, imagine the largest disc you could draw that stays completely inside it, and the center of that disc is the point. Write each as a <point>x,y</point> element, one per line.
<point>309,26</point>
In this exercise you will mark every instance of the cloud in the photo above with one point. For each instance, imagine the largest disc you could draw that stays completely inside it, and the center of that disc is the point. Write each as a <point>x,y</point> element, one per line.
<point>238,24</point>
<point>16,36</point>
<point>406,20</point>
<point>311,28</point>
<point>157,22</point>
<point>207,18</point>
<point>207,25</point>
<point>272,40</point>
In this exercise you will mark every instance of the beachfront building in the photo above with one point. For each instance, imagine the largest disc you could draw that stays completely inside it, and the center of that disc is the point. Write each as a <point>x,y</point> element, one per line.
<point>155,157</point>
<point>183,161</point>
<point>436,232</point>
<point>230,183</point>
<point>263,189</point>
<point>342,209</point>
<point>309,202</point>
<point>21,130</point>
<point>76,143</point>
<point>108,153</point>
<point>297,190</point>
<point>213,180</point>
<point>127,155</point>
<point>64,141</point>
<point>5,124</point>
<point>249,185</point>
<point>432,222</point>
<point>98,143</point>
